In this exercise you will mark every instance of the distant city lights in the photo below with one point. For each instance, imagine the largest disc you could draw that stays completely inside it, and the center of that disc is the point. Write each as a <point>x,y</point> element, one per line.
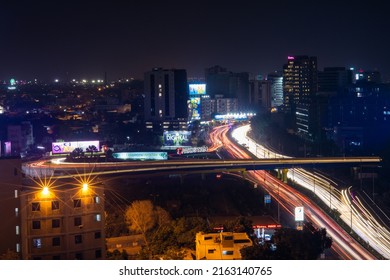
<point>235,116</point>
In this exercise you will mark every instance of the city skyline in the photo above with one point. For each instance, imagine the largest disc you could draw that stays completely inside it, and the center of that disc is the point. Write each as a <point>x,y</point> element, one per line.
<point>85,40</point>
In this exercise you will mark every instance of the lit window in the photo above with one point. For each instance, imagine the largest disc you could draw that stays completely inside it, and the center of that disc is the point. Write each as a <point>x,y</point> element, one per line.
<point>37,243</point>
<point>97,199</point>
<point>16,212</point>
<point>17,247</point>
<point>17,230</point>
<point>98,217</point>
<point>16,193</point>
<point>36,206</point>
<point>227,252</point>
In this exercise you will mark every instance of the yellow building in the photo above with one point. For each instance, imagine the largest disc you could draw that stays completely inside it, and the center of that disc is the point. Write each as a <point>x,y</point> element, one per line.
<point>62,220</point>
<point>221,246</point>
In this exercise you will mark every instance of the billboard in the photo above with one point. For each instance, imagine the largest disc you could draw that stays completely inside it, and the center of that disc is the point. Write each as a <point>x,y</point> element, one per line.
<point>194,107</point>
<point>68,147</point>
<point>177,138</point>
<point>197,89</point>
<point>7,148</point>
<point>299,214</point>
<point>141,155</point>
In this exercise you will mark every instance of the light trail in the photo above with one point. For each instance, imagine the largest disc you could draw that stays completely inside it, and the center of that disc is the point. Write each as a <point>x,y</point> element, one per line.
<point>352,211</point>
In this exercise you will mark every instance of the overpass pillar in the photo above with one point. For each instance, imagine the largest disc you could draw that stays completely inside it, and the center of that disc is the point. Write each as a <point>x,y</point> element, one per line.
<point>284,175</point>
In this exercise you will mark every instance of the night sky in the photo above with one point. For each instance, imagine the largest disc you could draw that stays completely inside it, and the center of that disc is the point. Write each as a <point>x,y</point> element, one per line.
<point>53,39</point>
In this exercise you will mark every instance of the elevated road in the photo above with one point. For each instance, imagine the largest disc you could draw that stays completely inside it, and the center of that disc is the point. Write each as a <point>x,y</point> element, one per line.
<point>60,169</point>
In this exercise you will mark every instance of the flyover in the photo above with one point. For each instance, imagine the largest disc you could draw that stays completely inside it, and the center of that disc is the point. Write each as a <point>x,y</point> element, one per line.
<point>64,170</point>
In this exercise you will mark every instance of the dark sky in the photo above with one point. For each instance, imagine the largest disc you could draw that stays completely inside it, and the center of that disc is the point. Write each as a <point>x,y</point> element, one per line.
<point>47,39</point>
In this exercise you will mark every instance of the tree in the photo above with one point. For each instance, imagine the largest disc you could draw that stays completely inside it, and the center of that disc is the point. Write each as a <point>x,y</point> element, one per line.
<point>240,224</point>
<point>117,255</point>
<point>291,244</point>
<point>143,217</point>
<point>140,216</point>
<point>77,153</point>
<point>91,149</point>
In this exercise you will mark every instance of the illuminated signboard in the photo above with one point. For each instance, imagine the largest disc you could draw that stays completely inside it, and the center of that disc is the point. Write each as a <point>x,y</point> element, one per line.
<point>141,155</point>
<point>177,138</point>
<point>68,147</point>
<point>299,214</point>
<point>194,107</point>
<point>267,199</point>
<point>197,89</point>
<point>7,148</point>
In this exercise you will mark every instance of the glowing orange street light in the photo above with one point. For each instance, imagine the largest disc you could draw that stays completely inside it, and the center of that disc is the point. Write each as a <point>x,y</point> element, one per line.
<point>45,190</point>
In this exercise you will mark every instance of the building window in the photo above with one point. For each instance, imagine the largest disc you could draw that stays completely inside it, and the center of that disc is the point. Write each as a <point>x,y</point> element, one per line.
<point>98,235</point>
<point>36,206</point>
<point>55,205</point>
<point>77,221</point>
<point>79,256</point>
<point>96,199</point>
<point>227,253</point>
<point>98,254</point>
<point>17,230</point>
<point>77,203</point>
<point>16,212</point>
<point>56,241</point>
<point>17,247</point>
<point>78,239</point>
<point>37,243</point>
<point>36,224</point>
<point>16,193</point>
<point>15,171</point>
<point>210,251</point>
<point>55,223</point>
<point>98,217</point>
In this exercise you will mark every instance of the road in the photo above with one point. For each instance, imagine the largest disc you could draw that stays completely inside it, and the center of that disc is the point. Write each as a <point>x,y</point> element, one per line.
<point>345,246</point>
<point>349,205</point>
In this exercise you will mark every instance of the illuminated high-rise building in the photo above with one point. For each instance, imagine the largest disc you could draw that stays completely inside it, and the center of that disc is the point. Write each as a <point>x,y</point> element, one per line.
<point>166,95</point>
<point>276,81</point>
<point>299,89</point>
